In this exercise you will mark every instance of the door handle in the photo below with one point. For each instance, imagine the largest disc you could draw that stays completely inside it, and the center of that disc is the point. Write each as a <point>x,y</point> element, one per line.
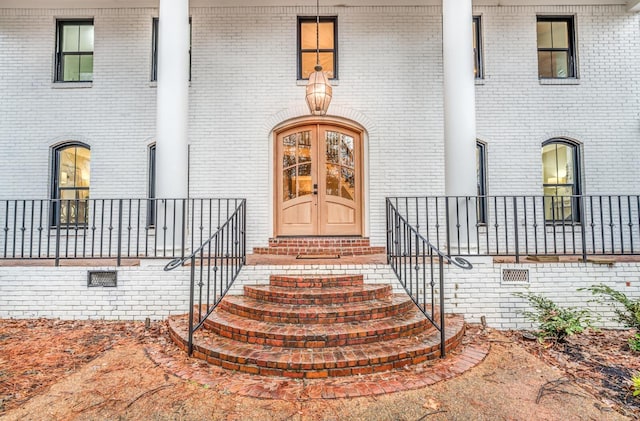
<point>315,189</point>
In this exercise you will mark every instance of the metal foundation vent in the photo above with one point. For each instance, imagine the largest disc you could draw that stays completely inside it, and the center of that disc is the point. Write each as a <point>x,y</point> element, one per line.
<point>102,278</point>
<point>515,276</point>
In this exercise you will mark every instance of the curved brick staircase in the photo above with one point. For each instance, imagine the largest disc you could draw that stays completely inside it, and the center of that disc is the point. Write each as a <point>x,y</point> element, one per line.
<point>315,327</point>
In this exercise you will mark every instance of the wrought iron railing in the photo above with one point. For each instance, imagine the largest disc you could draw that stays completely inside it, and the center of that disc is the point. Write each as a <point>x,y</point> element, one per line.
<point>419,266</point>
<point>108,228</point>
<point>214,266</point>
<point>526,225</point>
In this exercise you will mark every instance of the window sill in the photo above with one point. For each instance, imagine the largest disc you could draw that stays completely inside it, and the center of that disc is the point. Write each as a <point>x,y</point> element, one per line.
<point>479,81</point>
<point>564,81</point>
<point>303,82</point>
<point>154,84</point>
<point>71,85</point>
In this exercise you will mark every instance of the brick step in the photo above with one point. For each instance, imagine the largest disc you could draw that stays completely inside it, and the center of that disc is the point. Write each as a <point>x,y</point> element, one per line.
<point>316,281</point>
<point>317,296</point>
<point>290,313</point>
<point>316,335</point>
<point>316,362</point>
<point>319,251</point>
<point>319,242</point>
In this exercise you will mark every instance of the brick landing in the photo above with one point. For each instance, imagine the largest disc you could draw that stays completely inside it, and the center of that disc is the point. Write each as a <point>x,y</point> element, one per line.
<point>471,353</point>
<point>319,246</point>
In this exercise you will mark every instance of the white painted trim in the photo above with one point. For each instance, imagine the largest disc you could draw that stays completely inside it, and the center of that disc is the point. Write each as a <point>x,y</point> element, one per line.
<point>633,6</point>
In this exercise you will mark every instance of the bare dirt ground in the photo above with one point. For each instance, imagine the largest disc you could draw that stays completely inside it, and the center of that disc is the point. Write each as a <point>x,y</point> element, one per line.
<point>90,370</point>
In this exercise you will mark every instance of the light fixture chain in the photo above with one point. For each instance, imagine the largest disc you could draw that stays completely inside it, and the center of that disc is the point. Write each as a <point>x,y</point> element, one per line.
<point>318,32</point>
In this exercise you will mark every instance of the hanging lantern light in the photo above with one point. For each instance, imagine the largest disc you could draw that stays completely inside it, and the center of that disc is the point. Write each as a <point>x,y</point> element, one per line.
<point>319,90</point>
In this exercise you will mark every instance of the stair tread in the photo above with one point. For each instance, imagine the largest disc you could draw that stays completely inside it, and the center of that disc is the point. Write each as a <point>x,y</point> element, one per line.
<point>320,358</point>
<point>308,332</point>
<point>361,292</point>
<point>343,308</point>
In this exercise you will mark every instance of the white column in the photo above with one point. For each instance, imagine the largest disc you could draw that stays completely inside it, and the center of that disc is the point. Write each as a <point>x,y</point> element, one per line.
<point>172,119</point>
<point>459,120</point>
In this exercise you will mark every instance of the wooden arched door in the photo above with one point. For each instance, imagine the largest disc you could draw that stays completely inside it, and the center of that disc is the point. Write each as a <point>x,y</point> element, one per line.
<point>318,181</point>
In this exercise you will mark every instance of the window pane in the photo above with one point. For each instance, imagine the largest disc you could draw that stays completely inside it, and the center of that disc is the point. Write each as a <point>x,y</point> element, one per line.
<point>83,167</point>
<point>565,164</point>
<point>308,35</point>
<point>544,64</point>
<point>549,166</point>
<point>309,63</point>
<point>560,32</point>
<point>71,66</point>
<point>70,38</point>
<point>544,35</point>
<point>326,35</point>
<point>560,63</point>
<point>86,38</point>
<point>86,67</point>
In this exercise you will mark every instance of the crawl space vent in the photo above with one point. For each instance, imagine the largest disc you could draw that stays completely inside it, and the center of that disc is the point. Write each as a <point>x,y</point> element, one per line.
<point>102,279</point>
<point>515,276</point>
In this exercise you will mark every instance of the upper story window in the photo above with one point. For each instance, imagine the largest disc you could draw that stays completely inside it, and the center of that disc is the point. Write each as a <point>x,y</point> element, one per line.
<point>481,169</point>
<point>74,51</point>
<point>556,47</point>
<point>154,50</point>
<point>70,190</point>
<point>477,48</point>
<point>561,174</point>
<point>327,45</point>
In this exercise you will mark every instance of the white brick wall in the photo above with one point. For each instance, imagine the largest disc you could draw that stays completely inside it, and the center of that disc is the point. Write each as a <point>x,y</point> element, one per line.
<point>243,78</point>
<point>149,291</point>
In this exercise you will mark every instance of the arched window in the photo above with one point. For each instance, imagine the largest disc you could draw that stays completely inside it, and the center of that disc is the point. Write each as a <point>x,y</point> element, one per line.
<point>70,190</point>
<point>481,168</point>
<point>561,180</point>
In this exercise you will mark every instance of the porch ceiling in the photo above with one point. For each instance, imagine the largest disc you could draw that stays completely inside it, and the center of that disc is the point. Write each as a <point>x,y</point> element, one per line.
<point>632,5</point>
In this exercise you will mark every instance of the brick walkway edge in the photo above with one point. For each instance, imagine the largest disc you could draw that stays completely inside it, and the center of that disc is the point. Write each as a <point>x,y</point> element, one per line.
<point>177,363</point>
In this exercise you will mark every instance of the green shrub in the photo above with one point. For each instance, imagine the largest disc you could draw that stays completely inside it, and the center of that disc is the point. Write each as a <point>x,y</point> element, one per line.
<point>555,322</point>
<point>629,314</point>
<point>634,343</point>
<point>636,384</point>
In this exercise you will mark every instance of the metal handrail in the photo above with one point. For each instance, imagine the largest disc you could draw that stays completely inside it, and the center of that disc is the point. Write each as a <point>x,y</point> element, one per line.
<point>517,226</point>
<point>413,259</point>
<point>215,264</point>
<point>109,228</point>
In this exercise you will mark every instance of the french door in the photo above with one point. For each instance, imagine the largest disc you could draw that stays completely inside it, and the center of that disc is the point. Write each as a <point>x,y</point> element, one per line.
<point>318,181</point>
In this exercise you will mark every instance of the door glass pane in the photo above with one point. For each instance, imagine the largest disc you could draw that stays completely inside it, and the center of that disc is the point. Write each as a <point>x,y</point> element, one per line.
<point>304,147</point>
<point>347,185</point>
<point>304,180</point>
<point>289,184</point>
<point>289,150</point>
<point>333,145</point>
<point>346,151</point>
<point>70,38</point>
<point>333,180</point>
<point>71,68</point>
<point>83,167</point>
